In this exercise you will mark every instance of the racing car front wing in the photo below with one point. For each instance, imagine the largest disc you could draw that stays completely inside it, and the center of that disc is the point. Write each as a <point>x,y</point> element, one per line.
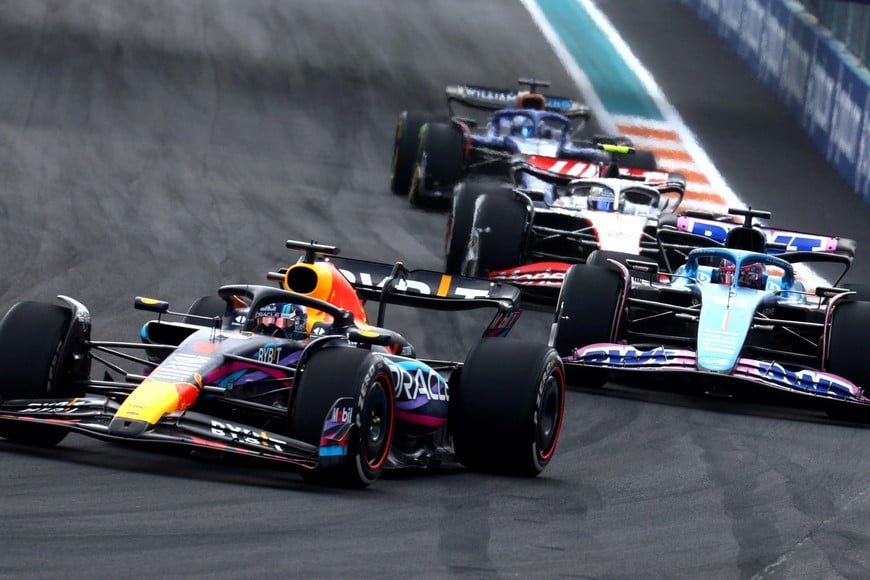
<point>92,416</point>
<point>621,357</point>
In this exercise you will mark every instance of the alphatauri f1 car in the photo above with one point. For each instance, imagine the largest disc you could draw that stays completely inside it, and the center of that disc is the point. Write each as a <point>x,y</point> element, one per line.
<point>292,374</point>
<point>731,317</point>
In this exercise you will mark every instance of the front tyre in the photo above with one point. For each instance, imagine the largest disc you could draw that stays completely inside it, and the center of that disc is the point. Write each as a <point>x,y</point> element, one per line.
<point>507,411</point>
<point>363,379</point>
<point>846,354</point>
<point>499,235</point>
<point>32,336</point>
<point>461,218</point>
<point>586,313</point>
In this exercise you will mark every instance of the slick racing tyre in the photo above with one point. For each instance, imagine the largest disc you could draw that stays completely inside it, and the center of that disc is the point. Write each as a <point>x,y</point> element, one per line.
<point>462,218</point>
<point>32,336</point>
<point>507,411</point>
<point>847,342</point>
<point>862,290</point>
<point>586,313</point>
<point>207,306</point>
<point>364,380</point>
<point>405,145</point>
<point>643,160</point>
<point>498,235</point>
<point>440,161</point>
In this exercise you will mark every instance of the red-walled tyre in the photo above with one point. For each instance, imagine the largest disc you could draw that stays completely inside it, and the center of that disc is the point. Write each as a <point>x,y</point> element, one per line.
<point>364,380</point>
<point>507,411</point>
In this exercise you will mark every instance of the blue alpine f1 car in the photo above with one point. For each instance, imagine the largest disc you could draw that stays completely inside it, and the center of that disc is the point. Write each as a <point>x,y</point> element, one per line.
<point>432,153</point>
<point>735,317</point>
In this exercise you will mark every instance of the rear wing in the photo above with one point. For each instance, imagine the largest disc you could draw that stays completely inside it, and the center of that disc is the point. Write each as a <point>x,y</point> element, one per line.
<point>680,233</point>
<point>778,241</point>
<point>394,284</point>
<point>493,99</point>
<point>564,169</point>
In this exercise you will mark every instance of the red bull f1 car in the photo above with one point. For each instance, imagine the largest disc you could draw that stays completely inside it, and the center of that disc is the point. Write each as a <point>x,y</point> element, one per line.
<point>292,374</point>
<point>433,153</point>
<point>735,318</point>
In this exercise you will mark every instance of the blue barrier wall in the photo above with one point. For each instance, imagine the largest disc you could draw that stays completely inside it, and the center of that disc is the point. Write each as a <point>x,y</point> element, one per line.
<point>848,21</point>
<point>824,86</point>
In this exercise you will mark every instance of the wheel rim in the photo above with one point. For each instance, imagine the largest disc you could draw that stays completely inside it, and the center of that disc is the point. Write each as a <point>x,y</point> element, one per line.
<point>549,417</point>
<point>377,422</point>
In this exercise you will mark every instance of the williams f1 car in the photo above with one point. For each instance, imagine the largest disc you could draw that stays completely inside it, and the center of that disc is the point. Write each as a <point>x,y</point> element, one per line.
<point>731,317</point>
<point>432,153</point>
<point>293,374</point>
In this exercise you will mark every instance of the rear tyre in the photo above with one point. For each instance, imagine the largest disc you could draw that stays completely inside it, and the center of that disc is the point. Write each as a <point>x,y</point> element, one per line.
<point>462,218</point>
<point>498,235</point>
<point>507,411</point>
<point>862,290</point>
<point>643,160</point>
<point>440,161</point>
<point>208,306</point>
<point>586,313</point>
<point>846,355</point>
<point>405,145</point>
<point>363,378</point>
<point>32,336</point>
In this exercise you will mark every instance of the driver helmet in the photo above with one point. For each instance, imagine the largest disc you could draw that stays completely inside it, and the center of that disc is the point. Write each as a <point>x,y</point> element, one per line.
<point>601,199</point>
<point>282,319</point>
<point>752,276</point>
<point>724,274</point>
<point>522,126</point>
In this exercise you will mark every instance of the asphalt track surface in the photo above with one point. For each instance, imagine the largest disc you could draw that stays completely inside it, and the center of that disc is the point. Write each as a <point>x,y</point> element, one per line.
<point>164,148</point>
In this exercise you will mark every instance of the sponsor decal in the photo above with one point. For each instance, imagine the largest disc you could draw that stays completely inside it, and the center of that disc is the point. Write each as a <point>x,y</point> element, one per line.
<point>270,353</point>
<point>772,48</point>
<point>55,407</point>
<point>624,356</point>
<point>845,123</point>
<point>862,171</point>
<point>798,242</point>
<point>729,15</point>
<point>752,29</point>
<point>807,380</point>
<point>412,381</point>
<point>238,433</point>
<point>179,367</point>
<point>490,94</point>
<point>341,415</point>
<point>413,286</point>
<point>795,70</point>
<point>710,230</point>
<point>820,93</point>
